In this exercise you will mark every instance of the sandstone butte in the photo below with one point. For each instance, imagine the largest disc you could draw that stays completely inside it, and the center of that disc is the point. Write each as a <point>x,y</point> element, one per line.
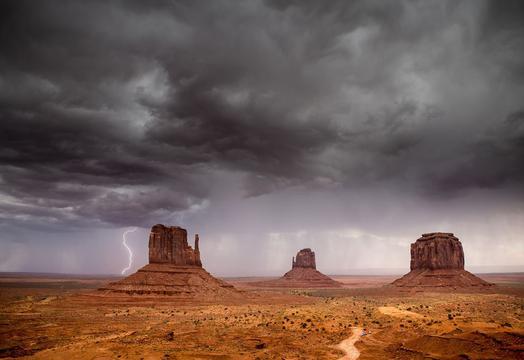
<point>437,260</point>
<point>303,274</point>
<point>174,269</point>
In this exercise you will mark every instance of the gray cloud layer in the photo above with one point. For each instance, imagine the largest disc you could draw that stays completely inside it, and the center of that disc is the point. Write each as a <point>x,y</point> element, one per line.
<point>131,113</point>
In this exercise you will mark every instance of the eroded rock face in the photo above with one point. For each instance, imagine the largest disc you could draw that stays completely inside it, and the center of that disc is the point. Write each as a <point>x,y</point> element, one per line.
<point>168,244</point>
<point>305,259</point>
<point>435,251</point>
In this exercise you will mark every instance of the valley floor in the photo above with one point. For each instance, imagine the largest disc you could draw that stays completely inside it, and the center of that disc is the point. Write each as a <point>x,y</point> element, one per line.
<point>53,318</point>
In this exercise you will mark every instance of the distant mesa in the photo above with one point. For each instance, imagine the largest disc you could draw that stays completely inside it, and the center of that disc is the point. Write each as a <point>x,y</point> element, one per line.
<point>303,274</point>
<point>174,269</point>
<point>437,260</point>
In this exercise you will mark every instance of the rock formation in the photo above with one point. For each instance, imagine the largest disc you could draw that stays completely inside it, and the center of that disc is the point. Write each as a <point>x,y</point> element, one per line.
<point>437,251</point>
<point>174,269</point>
<point>168,245</point>
<point>437,260</point>
<point>305,259</point>
<point>303,274</point>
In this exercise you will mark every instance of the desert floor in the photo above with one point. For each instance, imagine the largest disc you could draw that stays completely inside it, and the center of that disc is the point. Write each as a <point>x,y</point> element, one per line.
<point>55,317</point>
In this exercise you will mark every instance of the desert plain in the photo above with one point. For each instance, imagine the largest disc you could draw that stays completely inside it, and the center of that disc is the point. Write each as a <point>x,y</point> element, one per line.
<point>45,316</point>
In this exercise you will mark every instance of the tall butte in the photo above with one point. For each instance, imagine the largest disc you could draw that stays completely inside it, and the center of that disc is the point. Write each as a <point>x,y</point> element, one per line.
<point>437,260</point>
<point>174,269</point>
<point>303,274</point>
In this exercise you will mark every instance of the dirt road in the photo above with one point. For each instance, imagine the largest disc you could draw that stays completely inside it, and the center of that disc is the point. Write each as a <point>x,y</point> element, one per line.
<point>348,345</point>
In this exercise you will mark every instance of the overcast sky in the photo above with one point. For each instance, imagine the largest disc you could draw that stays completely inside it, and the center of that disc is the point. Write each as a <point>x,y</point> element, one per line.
<point>350,127</point>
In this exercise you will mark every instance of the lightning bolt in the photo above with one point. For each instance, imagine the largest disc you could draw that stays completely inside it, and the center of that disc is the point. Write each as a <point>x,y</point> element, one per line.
<point>124,242</point>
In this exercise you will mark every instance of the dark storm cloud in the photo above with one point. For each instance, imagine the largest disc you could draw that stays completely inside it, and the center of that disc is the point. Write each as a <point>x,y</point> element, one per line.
<point>491,161</point>
<point>267,99</point>
<point>125,112</point>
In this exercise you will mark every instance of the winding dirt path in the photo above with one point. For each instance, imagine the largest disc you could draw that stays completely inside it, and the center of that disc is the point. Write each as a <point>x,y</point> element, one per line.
<point>348,345</point>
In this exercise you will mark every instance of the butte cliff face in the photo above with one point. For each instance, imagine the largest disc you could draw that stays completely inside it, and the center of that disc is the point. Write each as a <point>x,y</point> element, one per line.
<point>174,270</point>
<point>168,245</point>
<point>437,260</point>
<point>437,251</point>
<point>305,259</point>
<point>303,274</point>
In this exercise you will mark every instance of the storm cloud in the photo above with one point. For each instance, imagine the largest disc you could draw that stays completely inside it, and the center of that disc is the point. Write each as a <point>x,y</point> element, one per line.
<point>130,113</point>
